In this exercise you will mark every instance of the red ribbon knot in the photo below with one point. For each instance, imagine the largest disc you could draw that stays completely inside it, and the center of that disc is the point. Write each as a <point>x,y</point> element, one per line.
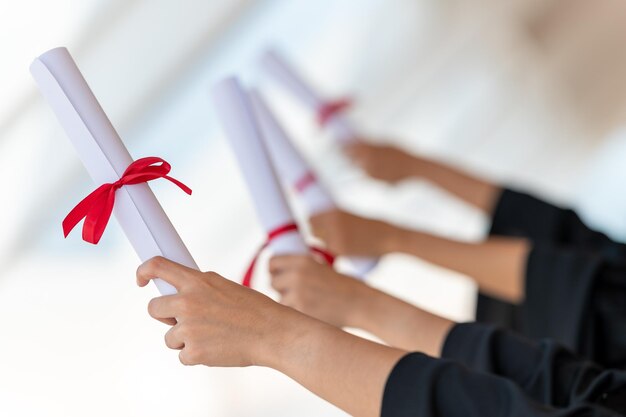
<point>328,257</point>
<point>97,207</point>
<point>330,109</point>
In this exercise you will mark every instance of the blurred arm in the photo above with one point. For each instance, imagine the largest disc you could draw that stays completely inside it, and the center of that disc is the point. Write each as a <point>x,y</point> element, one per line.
<point>498,264</point>
<point>392,164</point>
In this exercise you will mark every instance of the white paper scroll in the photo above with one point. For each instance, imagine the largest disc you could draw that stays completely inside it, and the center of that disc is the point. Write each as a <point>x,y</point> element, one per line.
<point>238,122</point>
<point>105,157</point>
<point>297,175</point>
<point>277,67</point>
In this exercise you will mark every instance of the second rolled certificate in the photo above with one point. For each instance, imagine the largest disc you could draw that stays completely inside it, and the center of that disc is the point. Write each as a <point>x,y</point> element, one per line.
<point>298,175</point>
<point>238,121</point>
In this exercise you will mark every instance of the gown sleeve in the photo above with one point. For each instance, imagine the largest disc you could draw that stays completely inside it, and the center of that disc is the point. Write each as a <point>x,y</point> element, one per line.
<point>573,296</point>
<point>522,215</point>
<point>578,299</point>
<point>421,386</point>
<point>544,370</point>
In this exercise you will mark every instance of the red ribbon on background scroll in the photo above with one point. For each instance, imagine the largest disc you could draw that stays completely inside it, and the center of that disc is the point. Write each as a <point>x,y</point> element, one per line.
<point>305,182</point>
<point>273,234</point>
<point>97,207</point>
<point>330,109</point>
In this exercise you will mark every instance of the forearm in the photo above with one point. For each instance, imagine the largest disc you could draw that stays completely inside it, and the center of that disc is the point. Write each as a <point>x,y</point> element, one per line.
<point>396,322</point>
<point>345,370</point>
<point>479,193</point>
<point>498,264</point>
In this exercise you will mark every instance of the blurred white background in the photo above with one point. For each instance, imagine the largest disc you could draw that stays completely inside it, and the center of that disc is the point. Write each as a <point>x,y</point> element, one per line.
<point>527,92</point>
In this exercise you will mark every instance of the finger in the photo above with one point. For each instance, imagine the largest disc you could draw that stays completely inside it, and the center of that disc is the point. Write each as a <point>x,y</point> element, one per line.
<point>187,358</point>
<point>173,338</point>
<point>352,149</point>
<point>357,147</point>
<point>281,263</point>
<point>319,232</point>
<point>287,300</point>
<point>169,322</point>
<point>281,284</point>
<point>159,267</point>
<point>318,224</point>
<point>163,308</point>
<point>290,300</point>
<point>359,153</point>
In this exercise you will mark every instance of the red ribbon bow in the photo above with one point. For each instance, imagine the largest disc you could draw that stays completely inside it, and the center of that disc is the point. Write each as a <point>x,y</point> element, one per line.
<point>273,234</point>
<point>97,207</point>
<point>330,109</point>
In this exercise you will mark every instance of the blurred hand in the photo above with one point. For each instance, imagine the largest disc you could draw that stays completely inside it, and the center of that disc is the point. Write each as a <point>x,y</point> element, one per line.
<point>216,322</point>
<point>314,289</point>
<point>384,163</point>
<point>347,234</point>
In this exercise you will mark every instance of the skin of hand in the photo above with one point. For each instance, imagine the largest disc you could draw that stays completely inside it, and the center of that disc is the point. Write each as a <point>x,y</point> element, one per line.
<point>318,291</point>
<point>383,162</point>
<point>348,234</point>
<point>217,322</point>
<point>315,289</point>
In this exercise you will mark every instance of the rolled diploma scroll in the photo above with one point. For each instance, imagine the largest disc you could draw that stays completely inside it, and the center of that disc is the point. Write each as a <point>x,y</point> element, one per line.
<point>297,174</point>
<point>105,157</point>
<point>235,113</point>
<point>276,66</point>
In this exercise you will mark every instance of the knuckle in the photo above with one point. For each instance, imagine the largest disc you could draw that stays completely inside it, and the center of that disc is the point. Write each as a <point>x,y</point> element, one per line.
<point>189,356</point>
<point>184,332</point>
<point>150,268</point>
<point>211,275</point>
<point>156,263</point>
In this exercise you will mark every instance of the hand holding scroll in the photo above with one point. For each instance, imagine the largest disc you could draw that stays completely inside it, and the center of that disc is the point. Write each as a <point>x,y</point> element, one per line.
<point>315,289</point>
<point>110,165</point>
<point>217,322</point>
<point>348,234</point>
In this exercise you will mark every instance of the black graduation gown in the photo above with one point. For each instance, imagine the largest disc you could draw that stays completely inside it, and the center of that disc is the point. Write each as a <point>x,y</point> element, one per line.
<point>486,372</point>
<point>575,281</point>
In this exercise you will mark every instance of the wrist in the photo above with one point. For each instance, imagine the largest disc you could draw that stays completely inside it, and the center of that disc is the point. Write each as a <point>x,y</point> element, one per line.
<point>417,167</point>
<point>357,305</point>
<point>370,310</point>
<point>285,340</point>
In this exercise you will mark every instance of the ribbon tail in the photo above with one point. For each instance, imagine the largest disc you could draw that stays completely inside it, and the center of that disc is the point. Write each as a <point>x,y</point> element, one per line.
<point>98,218</point>
<point>81,210</point>
<point>247,277</point>
<point>179,184</point>
<point>71,220</point>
